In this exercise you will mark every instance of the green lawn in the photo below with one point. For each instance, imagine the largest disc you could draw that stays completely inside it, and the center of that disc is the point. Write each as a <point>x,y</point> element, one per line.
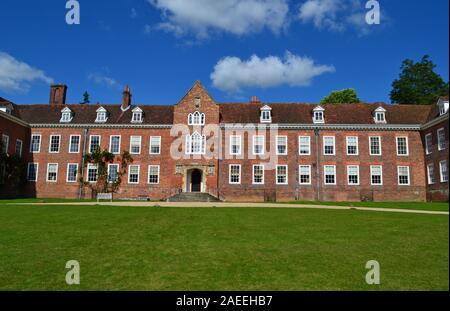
<point>151,248</point>
<point>401,205</point>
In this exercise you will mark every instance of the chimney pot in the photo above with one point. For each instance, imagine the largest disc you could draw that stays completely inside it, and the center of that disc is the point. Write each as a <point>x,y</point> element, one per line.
<point>58,94</point>
<point>255,100</point>
<point>126,98</point>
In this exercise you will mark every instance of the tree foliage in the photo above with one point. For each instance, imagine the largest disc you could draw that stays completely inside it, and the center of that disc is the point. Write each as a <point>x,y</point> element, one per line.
<point>13,168</point>
<point>85,98</point>
<point>418,83</point>
<point>339,97</point>
<point>101,158</point>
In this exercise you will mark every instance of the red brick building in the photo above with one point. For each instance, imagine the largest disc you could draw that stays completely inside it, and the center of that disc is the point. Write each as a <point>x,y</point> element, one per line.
<point>250,151</point>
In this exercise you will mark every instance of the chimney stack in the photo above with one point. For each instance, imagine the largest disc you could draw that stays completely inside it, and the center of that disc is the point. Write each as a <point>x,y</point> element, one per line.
<point>126,98</point>
<point>58,94</point>
<point>255,100</point>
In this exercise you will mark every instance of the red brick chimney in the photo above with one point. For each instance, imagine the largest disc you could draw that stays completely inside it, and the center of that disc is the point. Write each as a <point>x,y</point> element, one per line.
<point>126,98</point>
<point>58,94</point>
<point>255,100</point>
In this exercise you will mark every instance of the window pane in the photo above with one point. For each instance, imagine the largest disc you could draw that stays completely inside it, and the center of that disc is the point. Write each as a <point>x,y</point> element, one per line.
<point>304,145</point>
<point>153,175</point>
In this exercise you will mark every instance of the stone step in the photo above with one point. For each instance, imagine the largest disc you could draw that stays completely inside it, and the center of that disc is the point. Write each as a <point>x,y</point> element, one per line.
<point>193,197</point>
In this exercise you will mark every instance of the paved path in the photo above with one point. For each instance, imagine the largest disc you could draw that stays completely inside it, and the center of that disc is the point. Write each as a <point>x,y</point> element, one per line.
<point>254,205</point>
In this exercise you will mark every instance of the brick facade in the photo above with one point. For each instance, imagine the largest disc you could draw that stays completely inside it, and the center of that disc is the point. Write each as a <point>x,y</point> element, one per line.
<point>210,172</point>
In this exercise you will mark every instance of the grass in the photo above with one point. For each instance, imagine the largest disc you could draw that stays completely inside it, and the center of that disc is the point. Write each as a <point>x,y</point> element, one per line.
<point>426,206</point>
<point>151,248</point>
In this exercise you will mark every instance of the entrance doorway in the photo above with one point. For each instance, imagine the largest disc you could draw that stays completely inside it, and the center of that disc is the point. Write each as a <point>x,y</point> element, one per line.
<point>196,180</point>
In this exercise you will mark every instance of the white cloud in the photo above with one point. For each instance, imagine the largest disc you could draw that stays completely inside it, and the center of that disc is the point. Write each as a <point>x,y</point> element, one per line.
<point>335,15</point>
<point>239,17</point>
<point>16,76</point>
<point>231,74</point>
<point>101,79</point>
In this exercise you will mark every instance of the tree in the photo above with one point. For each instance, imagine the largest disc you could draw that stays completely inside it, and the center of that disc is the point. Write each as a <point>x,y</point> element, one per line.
<point>418,83</point>
<point>85,98</point>
<point>344,96</point>
<point>101,158</point>
<point>13,168</point>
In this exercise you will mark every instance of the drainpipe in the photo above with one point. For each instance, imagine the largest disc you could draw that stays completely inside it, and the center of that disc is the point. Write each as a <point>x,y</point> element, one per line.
<point>81,191</point>
<point>317,136</point>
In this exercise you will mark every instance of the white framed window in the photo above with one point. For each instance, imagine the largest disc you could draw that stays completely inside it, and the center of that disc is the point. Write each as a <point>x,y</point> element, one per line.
<point>376,175</point>
<point>92,173</point>
<point>258,145</point>
<point>318,115</point>
<point>72,172</point>
<point>74,143</point>
<point>430,174</point>
<point>266,114</point>
<point>114,144</point>
<point>235,145</point>
<point>133,174</point>
<point>375,145</point>
<point>304,145</point>
<point>155,145</point>
<point>35,145</point>
<point>443,168</point>
<point>402,146</point>
<point>282,147</point>
<point>329,145</point>
<point>304,172</point>
<point>282,175</point>
<point>5,143</point>
<point>196,144</point>
<point>55,141</point>
<point>137,115</point>
<point>52,172</point>
<point>153,174</point>
<point>32,172</point>
<point>258,174</point>
<point>403,175</point>
<point>113,172</point>
<point>66,115</point>
<point>329,172</point>
<point>428,143</point>
<point>352,145</point>
<point>441,139</point>
<point>196,118</point>
<point>235,174</point>
<point>19,145</point>
<point>380,117</point>
<point>94,143</point>
<point>135,144</point>
<point>353,175</point>
<point>102,115</point>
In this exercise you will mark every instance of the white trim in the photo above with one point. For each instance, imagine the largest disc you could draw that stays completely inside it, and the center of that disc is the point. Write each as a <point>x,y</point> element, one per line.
<point>407,146</point>
<point>6,147</point>
<point>110,143</point>
<point>67,173</point>
<point>159,174</point>
<point>430,177</point>
<point>109,170</point>
<point>347,145</point>
<point>438,140</point>
<point>325,175</point>
<point>348,175</point>
<point>91,165</point>
<point>231,145</point>
<point>440,170</point>
<point>263,144</point>
<point>31,143</point>
<point>287,174</point>
<point>50,143</point>
<point>99,142</point>
<point>28,171</point>
<point>276,144</point>
<point>70,143</point>
<point>309,173</point>
<point>140,144</point>
<point>381,175</point>
<point>370,146</point>
<point>298,126</point>
<point>309,146</point>
<point>334,145</point>
<point>398,175</point>
<point>21,147</point>
<point>429,151</point>
<point>46,177</point>
<point>150,145</point>
<point>138,174</point>
<point>229,174</point>
<point>253,174</point>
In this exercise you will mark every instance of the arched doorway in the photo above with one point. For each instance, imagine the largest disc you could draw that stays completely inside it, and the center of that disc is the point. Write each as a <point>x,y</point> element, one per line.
<point>196,180</point>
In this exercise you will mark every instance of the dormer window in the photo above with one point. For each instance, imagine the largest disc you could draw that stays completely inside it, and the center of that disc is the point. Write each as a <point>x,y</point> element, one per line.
<point>66,115</point>
<point>102,115</point>
<point>196,118</point>
<point>7,109</point>
<point>443,107</point>
<point>318,115</point>
<point>266,114</point>
<point>137,116</point>
<point>380,115</point>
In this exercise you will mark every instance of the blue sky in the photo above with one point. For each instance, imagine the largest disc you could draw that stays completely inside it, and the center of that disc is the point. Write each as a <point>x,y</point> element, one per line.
<point>303,49</point>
